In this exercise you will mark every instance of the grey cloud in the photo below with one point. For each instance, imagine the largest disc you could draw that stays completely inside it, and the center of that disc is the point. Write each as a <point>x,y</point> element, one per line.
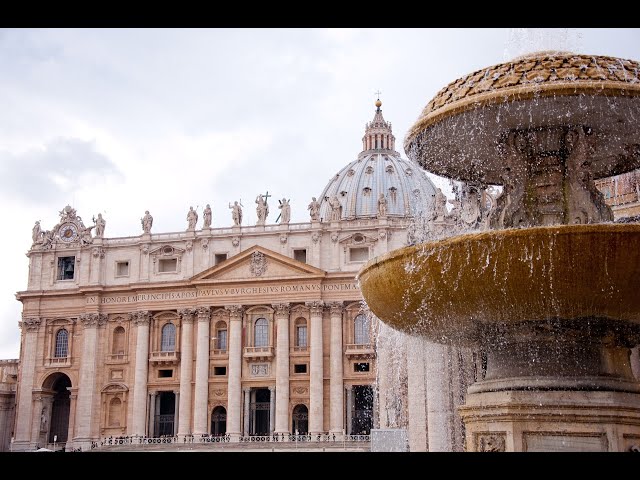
<point>50,173</point>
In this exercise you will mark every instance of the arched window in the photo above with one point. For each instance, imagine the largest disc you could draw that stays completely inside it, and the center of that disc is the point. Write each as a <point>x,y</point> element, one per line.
<point>301,332</point>
<point>300,419</point>
<point>62,344</point>
<point>118,341</point>
<point>115,410</point>
<point>221,335</point>
<point>168,341</point>
<point>362,330</point>
<point>261,335</point>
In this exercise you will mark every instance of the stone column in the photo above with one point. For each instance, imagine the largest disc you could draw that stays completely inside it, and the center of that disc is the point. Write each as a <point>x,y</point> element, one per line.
<point>417,396</point>
<point>349,409</point>
<point>272,409</point>
<point>282,368</point>
<point>176,409</point>
<point>152,414</point>
<point>316,375</point>
<point>202,372</point>
<point>85,411</point>
<point>234,400</point>
<point>336,386</point>
<point>73,401</point>
<point>25,386</point>
<point>335,246</point>
<point>35,422</point>
<point>247,409</point>
<point>141,320</point>
<point>439,414</point>
<point>186,370</point>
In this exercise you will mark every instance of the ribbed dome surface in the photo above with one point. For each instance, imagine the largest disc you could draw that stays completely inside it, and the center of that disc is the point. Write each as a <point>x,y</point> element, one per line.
<point>358,186</point>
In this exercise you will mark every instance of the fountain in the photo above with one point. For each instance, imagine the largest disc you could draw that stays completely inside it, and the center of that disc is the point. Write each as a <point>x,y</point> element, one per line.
<point>549,294</point>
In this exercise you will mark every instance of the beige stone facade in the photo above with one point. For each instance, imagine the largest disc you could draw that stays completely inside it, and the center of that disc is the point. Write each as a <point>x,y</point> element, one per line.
<point>8,382</point>
<point>235,330</point>
<point>622,193</point>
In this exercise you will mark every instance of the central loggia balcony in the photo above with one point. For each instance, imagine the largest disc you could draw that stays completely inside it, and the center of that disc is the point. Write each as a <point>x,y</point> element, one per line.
<point>164,358</point>
<point>258,353</point>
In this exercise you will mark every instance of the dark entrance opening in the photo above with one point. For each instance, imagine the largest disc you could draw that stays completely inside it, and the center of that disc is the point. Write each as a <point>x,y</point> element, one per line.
<point>362,410</point>
<point>260,406</point>
<point>300,420</point>
<point>60,409</point>
<point>219,421</point>
<point>165,414</point>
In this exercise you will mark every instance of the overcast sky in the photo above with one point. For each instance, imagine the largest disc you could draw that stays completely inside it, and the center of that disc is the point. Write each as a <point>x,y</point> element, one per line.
<point>122,121</point>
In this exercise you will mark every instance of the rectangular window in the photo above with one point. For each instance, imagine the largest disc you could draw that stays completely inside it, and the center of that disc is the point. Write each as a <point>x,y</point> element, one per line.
<point>300,255</point>
<point>66,267</point>
<point>168,265</point>
<point>219,258</point>
<point>165,373</point>
<point>122,269</point>
<point>300,368</point>
<point>360,367</point>
<point>301,336</point>
<point>359,254</point>
<point>219,370</point>
<point>222,340</point>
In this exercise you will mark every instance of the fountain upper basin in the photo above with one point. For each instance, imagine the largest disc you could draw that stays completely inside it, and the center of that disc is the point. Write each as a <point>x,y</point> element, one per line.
<point>459,131</point>
<point>451,290</point>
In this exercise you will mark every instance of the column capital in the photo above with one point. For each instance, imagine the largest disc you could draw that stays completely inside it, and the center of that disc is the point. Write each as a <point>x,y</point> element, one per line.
<point>315,307</point>
<point>246,389</point>
<point>204,314</point>
<point>235,311</point>
<point>90,320</point>
<point>272,389</point>
<point>187,314</point>
<point>31,324</point>
<point>336,308</point>
<point>141,317</point>
<point>282,309</point>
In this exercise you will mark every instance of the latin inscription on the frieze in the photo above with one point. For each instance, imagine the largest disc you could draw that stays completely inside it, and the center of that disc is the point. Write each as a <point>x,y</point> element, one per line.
<point>221,292</point>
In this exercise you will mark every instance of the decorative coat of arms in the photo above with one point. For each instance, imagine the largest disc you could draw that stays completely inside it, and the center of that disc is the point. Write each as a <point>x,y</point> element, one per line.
<point>258,263</point>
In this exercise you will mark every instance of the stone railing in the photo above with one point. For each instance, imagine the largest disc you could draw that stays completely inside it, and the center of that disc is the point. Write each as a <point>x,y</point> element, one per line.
<point>57,362</point>
<point>219,352</point>
<point>202,439</point>
<point>299,350</point>
<point>117,358</point>
<point>361,350</point>
<point>258,352</point>
<point>164,357</point>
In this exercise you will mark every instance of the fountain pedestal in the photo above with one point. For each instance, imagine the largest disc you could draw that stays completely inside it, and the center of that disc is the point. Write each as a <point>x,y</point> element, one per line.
<point>529,421</point>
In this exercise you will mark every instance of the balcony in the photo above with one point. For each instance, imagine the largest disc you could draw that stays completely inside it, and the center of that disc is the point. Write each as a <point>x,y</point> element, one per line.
<point>219,353</point>
<point>164,358</point>
<point>360,350</point>
<point>299,351</point>
<point>57,362</point>
<point>258,353</point>
<point>117,358</point>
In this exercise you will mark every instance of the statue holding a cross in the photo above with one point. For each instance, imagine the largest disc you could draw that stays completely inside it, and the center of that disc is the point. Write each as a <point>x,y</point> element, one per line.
<point>262,210</point>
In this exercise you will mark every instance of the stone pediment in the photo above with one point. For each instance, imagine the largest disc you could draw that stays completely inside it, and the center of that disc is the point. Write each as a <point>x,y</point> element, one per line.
<point>257,263</point>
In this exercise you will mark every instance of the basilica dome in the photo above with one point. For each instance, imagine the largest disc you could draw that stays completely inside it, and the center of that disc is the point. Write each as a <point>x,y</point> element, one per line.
<point>378,169</point>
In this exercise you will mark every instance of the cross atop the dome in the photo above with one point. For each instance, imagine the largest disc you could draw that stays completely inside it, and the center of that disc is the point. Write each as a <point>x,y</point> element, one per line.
<point>378,94</point>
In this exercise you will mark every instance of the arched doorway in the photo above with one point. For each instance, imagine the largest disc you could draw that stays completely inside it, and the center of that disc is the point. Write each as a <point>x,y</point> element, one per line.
<point>219,421</point>
<point>59,384</point>
<point>300,420</point>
